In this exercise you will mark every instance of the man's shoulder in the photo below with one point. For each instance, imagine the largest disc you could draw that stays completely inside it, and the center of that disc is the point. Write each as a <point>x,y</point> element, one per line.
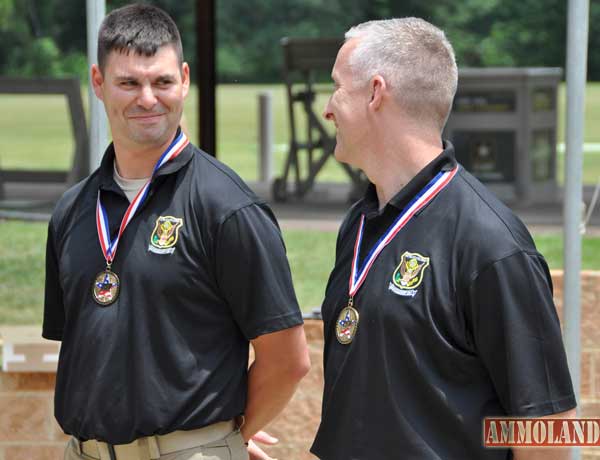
<point>73,196</point>
<point>218,188</point>
<point>484,225</point>
<point>351,219</point>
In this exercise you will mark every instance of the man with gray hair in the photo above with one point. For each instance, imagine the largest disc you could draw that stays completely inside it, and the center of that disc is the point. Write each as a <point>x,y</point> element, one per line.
<point>438,311</point>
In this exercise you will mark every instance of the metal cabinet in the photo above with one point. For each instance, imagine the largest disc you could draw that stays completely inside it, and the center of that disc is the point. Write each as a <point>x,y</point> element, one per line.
<point>503,127</point>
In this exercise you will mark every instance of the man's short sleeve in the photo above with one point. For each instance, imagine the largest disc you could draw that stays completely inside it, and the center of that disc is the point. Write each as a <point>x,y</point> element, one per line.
<point>253,272</point>
<point>54,312</point>
<point>517,335</point>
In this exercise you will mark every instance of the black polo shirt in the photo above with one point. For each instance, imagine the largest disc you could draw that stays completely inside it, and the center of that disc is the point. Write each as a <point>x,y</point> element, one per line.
<point>476,335</point>
<point>171,353</point>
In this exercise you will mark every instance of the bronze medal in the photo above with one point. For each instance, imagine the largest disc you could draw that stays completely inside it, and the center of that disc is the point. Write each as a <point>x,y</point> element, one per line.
<point>106,287</point>
<point>346,325</point>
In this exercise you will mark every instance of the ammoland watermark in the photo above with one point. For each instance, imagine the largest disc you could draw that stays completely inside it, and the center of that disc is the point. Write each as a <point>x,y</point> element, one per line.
<point>541,432</point>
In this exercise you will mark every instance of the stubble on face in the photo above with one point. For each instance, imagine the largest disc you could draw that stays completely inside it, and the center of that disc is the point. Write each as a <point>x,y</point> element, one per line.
<point>148,127</point>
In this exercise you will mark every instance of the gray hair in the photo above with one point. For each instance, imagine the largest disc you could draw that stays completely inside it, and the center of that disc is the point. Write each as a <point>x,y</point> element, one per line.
<point>415,59</point>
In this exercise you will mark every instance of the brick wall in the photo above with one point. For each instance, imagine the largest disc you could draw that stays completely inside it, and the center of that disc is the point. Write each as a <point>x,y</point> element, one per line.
<point>590,344</point>
<point>28,430</point>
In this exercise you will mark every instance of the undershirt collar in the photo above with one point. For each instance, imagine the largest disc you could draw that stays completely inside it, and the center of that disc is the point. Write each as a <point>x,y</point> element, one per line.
<point>129,186</point>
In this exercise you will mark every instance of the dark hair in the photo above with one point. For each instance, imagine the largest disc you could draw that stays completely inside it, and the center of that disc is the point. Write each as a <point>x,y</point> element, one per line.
<point>138,27</point>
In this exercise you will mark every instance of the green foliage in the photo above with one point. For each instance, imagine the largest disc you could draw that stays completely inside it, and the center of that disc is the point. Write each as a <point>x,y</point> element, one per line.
<point>40,58</point>
<point>250,51</point>
<point>483,32</point>
<point>594,42</point>
<point>75,64</point>
<point>30,47</point>
<point>6,11</point>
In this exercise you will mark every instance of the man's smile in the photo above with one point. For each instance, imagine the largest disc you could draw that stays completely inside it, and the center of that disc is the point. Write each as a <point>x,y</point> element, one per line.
<point>148,118</point>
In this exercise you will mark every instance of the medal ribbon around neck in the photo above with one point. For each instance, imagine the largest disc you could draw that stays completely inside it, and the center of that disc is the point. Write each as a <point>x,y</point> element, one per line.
<point>346,325</point>
<point>109,247</point>
<point>428,193</point>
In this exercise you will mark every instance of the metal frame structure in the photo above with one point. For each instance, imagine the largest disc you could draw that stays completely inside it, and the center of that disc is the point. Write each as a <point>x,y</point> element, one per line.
<point>80,164</point>
<point>303,57</point>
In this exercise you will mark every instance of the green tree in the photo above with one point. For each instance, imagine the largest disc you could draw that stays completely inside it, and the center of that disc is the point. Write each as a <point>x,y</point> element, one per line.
<point>594,42</point>
<point>249,33</point>
<point>6,11</point>
<point>483,32</point>
<point>527,33</point>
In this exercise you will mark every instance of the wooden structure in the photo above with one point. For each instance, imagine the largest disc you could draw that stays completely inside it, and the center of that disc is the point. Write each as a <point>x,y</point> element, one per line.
<point>80,163</point>
<point>310,143</point>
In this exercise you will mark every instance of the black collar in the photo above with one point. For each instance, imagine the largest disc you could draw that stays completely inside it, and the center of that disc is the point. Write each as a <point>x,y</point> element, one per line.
<point>106,169</point>
<point>445,161</point>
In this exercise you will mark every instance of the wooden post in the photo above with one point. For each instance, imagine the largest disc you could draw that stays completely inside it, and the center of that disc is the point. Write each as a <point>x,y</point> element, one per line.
<point>206,78</point>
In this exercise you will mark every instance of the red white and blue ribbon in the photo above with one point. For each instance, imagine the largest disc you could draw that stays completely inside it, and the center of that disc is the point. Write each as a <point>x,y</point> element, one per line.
<point>428,193</point>
<point>109,247</point>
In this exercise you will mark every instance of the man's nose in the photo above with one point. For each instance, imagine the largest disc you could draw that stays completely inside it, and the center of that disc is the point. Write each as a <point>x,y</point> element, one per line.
<point>147,99</point>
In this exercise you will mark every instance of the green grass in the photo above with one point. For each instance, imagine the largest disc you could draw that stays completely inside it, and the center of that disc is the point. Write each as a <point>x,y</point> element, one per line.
<point>36,132</point>
<point>591,168</point>
<point>551,246</point>
<point>22,256</point>
<point>311,255</point>
<point>592,112</point>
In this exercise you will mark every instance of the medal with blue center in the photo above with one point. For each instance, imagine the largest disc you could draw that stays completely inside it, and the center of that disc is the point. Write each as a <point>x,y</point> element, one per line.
<point>347,322</point>
<point>107,286</point>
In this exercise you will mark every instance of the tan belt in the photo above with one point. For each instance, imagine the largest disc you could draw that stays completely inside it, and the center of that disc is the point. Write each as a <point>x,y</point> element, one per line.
<point>152,447</point>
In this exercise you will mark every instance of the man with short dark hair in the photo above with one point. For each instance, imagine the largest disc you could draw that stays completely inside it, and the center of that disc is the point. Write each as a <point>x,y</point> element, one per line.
<point>162,266</point>
<point>438,311</point>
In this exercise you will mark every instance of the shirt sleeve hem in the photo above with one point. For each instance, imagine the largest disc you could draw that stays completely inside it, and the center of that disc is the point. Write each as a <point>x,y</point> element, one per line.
<point>52,334</point>
<point>548,407</point>
<point>275,324</point>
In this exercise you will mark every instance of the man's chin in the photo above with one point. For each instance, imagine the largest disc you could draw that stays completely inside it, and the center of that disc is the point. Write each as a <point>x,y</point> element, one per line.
<point>339,154</point>
<point>154,136</point>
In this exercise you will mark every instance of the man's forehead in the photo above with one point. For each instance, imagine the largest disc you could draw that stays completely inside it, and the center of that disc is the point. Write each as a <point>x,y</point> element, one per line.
<point>119,61</point>
<point>342,61</point>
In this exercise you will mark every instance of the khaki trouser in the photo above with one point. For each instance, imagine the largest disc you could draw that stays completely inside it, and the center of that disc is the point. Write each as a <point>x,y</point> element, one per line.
<point>231,447</point>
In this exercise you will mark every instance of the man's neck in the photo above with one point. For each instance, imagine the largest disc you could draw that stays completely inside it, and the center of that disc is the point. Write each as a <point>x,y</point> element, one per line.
<point>399,165</point>
<point>133,162</point>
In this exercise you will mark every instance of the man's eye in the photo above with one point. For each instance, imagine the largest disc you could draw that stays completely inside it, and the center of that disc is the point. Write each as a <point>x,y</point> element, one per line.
<point>128,83</point>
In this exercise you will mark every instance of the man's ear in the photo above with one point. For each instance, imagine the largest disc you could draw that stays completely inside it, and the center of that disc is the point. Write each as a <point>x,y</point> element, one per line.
<point>185,78</point>
<point>377,87</point>
<point>97,80</point>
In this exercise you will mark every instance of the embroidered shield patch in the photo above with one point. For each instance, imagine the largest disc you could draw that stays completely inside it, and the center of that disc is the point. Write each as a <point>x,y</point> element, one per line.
<point>166,232</point>
<point>409,273</point>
